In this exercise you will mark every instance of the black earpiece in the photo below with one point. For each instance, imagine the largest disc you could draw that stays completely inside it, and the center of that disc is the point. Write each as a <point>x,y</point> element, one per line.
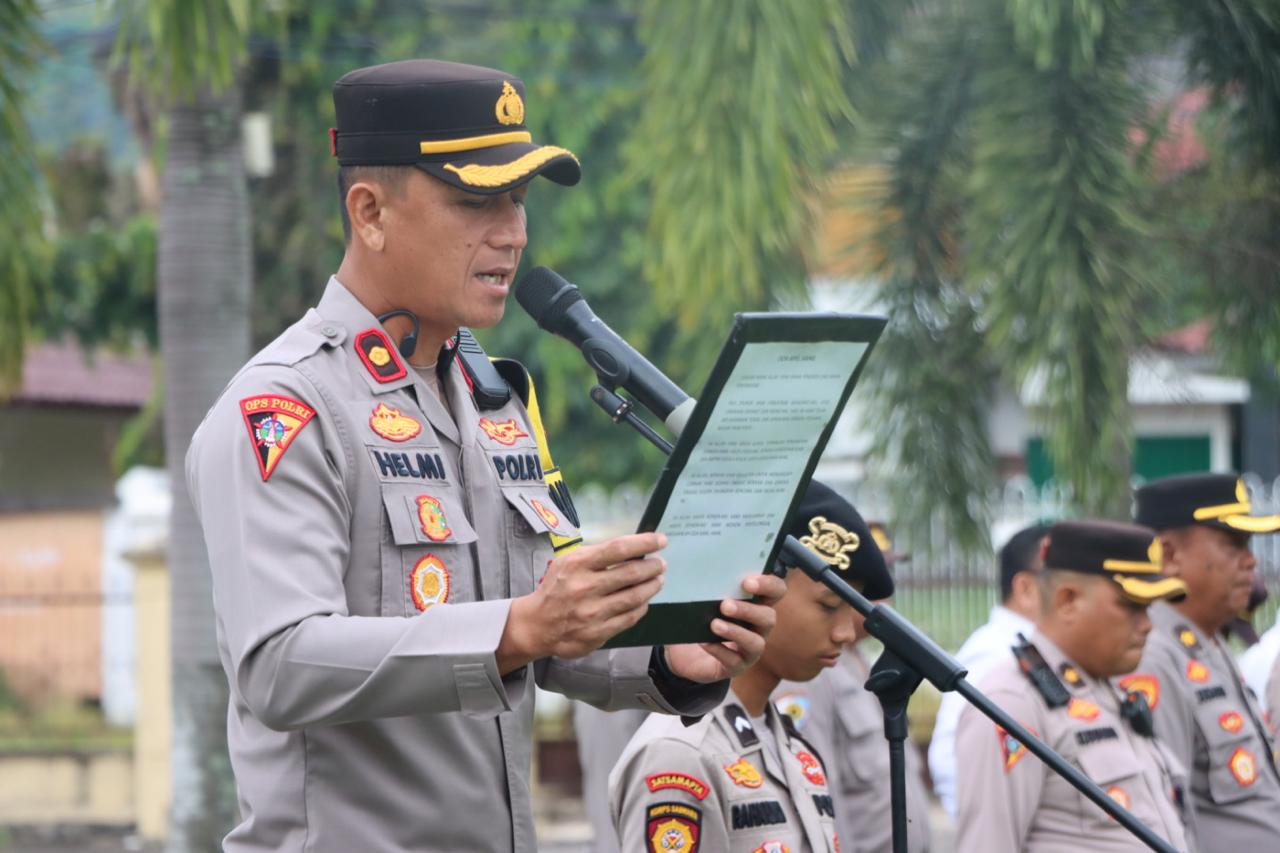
<point>409,342</point>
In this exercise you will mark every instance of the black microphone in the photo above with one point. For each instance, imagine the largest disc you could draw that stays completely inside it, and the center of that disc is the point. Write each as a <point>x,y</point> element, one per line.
<point>558,307</point>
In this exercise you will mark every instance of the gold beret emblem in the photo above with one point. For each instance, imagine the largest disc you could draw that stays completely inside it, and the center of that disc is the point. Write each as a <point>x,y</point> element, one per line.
<point>510,108</point>
<point>830,541</point>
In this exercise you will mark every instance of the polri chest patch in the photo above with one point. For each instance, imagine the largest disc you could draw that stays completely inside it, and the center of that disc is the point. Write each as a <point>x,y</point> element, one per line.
<point>273,422</point>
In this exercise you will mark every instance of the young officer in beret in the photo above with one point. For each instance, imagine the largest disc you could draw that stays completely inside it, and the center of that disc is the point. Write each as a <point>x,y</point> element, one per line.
<point>844,720</point>
<point>743,780</point>
<point>1207,715</point>
<point>1098,579</point>
<point>392,550</point>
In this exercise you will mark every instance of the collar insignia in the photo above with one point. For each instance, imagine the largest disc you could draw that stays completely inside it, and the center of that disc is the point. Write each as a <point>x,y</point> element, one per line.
<point>741,725</point>
<point>1071,675</point>
<point>391,425</point>
<point>273,422</point>
<point>510,107</point>
<point>831,542</point>
<point>379,356</point>
<point>429,582</point>
<point>1145,683</point>
<point>744,773</point>
<point>504,432</point>
<point>1187,638</point>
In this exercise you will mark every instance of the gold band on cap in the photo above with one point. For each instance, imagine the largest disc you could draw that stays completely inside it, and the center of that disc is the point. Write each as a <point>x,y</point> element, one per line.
<point>1130,566</point>
<point>471,143</point>
<point>476,175</point>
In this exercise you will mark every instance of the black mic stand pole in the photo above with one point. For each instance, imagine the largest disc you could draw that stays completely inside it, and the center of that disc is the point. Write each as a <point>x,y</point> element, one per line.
<point>909,657</point>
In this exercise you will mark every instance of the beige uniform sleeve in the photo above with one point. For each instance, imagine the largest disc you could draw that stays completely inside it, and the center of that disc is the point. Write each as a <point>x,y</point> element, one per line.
<point>998,782</point>
<point>278,551</point>
<point>656,792</point>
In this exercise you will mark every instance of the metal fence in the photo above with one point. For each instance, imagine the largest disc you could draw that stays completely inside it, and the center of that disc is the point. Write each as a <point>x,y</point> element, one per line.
<point>945,592</point>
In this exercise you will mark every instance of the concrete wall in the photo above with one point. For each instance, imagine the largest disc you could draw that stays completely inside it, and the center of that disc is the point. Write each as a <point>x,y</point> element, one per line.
<point>67,787</point>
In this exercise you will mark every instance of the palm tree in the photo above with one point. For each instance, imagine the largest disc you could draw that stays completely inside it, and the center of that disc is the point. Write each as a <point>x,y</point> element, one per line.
<point>192,53</point>
<point>22,246</point>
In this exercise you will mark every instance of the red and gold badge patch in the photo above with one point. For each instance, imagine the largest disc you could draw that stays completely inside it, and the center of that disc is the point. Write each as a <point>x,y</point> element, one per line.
<point>391,425</point>
<point>429,582</point>
<point>1083,709</point>
<point>1243,766</point>
<point>431,517</point>
<point>504,432</point>
<point>1145,683</point>
<point>744,773</point>
<point>544,512</point>
<point>680,781</point>
<point>1012,750</point>
<point>672,828</point>
<point>1231,722</point>
<point>811,767</point>
<point>1197,672</point>
<point>273,422</point>
<point>1120,795</point>
<point>379,356</point>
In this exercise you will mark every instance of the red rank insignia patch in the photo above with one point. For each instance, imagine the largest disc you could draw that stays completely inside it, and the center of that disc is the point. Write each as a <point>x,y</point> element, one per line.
<point>1145,683</point>
<point>431,517</point>
<point>1197,672</point>
<point>1243,767</point>
<point>811,767</point>
<point>1083,709</point>
<point>391,425</point>
<point>504,432</point>
<point>680,781</point>
<point>1011,749</point>
<point>379,356</point>
<point>273,422</point>
<point>1231,722</point>
<point>429,582</point>
<point>672,828</point>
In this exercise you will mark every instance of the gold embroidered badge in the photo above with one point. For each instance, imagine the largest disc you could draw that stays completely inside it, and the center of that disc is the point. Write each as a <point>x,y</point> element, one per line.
<point>1197,672</point>
<point>1243,767</point>
<point>431,518</point>
<point>392,425</point>
<point>744,773</point>
<point>544,512</point>
<point>1120,795</point>
<point>1083,709</point>
<point>504,432</point>
<point>510,107</point>
<point>830,541</point>
<point>379,356</point>
<point>429,582</point>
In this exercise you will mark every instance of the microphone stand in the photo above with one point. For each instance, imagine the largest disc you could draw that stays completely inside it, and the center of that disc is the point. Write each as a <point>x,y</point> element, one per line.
<point>909,657</point>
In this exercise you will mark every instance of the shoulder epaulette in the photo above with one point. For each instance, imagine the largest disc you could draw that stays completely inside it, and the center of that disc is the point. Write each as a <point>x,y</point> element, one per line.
<point>1044,679</point>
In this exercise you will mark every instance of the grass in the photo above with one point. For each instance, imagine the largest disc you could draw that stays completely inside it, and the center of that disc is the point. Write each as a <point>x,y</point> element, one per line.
<point>59,726</point>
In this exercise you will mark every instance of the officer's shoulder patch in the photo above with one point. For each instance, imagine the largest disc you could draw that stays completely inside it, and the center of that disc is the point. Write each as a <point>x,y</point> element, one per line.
<point>379,356</point>
<point>1070,675</point>
<point>741,725</point>
<point>672,827</point>
<point>679,781</point>
<point>1145,683</point>
<point>1012,750</point>
<point>1187,638</point>
<point>273,421</point>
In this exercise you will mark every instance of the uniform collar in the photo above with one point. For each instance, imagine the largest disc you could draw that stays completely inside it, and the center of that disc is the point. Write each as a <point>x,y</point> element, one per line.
<point>1001,615</point>
<point>339,307</point>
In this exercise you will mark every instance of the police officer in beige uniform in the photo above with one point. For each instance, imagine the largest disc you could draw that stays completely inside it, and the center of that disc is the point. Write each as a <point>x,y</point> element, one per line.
<point>381,524</point>
<point>744,780</point>
<point>844,720</point>
<point>1099,578</point>
<point>1207,716</point>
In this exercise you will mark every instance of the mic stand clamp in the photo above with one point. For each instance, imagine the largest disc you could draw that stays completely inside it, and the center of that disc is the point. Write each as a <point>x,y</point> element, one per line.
<point>619,409</point>
<point>893,680</point>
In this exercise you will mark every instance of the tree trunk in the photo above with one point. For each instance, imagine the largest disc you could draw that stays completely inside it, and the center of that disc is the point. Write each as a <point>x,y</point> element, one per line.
<point>205,281</point>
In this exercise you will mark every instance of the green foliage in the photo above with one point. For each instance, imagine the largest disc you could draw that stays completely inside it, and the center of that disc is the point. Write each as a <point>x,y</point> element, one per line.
<point>175,47</point>
<point>738,122</point>
<point>23,249</point>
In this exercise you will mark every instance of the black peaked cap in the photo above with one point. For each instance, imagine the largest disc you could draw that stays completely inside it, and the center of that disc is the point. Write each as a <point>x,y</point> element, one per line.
<point>1127,554</point>
<point>830,527</point>
<point>1214,500</point>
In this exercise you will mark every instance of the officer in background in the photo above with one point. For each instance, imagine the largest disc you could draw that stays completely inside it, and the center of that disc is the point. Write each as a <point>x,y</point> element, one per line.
<point>845,722</point>
<point>1207,716</point>
<point>392,551</point>
<point>601,737</point>
<point>1017,612</point>
<point>1098,579</point>
<point>743,779</point>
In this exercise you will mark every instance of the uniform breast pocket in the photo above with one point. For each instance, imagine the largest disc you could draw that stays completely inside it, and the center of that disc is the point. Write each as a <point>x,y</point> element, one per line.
<point>1115,768</point>
<point>864,755</point>
<point>1234,759</point>
<point>425,555</point>
<point>532,518</point>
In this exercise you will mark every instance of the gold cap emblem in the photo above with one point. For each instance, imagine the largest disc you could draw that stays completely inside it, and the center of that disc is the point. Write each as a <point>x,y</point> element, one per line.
<point>1155,553</point>
<point>830,541</point>
<point>510,108</point>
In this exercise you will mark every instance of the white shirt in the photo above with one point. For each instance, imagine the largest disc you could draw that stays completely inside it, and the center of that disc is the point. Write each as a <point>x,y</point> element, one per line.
<point>1256,662</point>
<point>986,646</point>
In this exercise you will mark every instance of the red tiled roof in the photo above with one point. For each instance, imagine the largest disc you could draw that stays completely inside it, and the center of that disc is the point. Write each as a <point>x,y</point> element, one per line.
<point>1192,339</point>
<point>62,373</point>
<point>1180,149</point>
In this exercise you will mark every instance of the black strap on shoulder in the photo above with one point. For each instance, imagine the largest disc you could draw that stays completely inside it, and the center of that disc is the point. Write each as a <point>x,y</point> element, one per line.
<point>489,388</point>
<point>1044,679</point>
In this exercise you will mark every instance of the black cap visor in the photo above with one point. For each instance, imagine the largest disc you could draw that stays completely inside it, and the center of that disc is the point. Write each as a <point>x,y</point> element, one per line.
<point>496,169</point>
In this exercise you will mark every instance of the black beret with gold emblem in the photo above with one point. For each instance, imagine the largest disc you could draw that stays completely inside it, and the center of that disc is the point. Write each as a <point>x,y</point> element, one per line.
<point>1125,553</point>
<point>461,123</point>
<point>1215,500</point>
<point>829,526</point>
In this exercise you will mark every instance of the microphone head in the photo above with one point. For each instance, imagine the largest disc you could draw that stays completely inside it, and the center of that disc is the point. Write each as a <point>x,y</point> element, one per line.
<point>546,296</point>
